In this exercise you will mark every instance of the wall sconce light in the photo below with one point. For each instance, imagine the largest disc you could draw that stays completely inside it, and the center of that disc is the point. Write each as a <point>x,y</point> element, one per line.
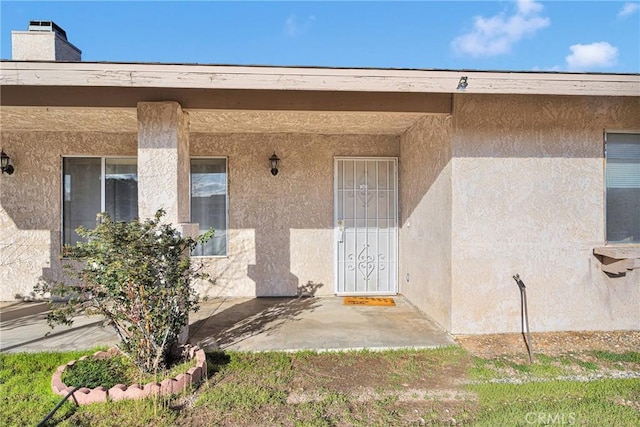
<point>5,165</point>
<point>273,161</point>
<point>462,84</point>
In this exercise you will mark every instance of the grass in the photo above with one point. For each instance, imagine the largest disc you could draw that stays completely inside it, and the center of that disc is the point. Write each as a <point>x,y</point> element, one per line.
<point>540,398</point>
<point>25,387</point>
<point>107,372</point>
<point>26,396</point>
<point>558,402</point>
<point>545,367</point>
<point>629,356</point>
<point>92,373</point>
<point>364,388</point>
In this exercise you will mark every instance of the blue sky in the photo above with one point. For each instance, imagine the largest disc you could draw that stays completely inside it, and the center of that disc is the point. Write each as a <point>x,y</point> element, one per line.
<point>524,35</point>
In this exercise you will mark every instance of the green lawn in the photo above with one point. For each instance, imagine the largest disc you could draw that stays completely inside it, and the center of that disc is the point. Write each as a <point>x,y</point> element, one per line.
<point>605,402</point>
<point>443,386</point>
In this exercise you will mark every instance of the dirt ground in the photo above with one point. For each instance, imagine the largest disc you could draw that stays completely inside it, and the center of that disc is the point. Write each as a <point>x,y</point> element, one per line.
<point>399,388</point>
<point>550,343</point>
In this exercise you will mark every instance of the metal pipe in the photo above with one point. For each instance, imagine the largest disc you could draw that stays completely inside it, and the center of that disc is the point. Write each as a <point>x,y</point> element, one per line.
<point>524,315</point>
<point>42,423</point>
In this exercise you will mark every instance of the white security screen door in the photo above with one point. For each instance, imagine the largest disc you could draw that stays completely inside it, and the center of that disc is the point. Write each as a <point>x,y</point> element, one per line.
<point>366,219</point>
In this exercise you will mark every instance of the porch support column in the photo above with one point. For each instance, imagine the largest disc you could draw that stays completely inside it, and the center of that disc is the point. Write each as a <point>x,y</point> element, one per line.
<point>163,161</point>
<point>163,168</point>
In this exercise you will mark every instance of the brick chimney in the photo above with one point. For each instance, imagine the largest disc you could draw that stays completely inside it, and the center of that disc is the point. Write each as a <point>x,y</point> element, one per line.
<point>43,41</point>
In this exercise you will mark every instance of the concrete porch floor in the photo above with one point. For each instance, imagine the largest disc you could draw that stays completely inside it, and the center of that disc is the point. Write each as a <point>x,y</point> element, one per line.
<point>246,324</point>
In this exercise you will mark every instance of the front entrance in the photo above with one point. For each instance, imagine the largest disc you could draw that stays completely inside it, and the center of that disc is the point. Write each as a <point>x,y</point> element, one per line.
<point>366,220</point>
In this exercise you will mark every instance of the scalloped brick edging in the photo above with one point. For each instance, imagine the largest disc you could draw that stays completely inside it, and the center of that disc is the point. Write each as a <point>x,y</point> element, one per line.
<point>84,396</point>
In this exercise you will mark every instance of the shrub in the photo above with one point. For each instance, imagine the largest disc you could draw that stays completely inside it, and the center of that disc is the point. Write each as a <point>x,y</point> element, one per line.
<point>92,372</point>
<point>138,275</point>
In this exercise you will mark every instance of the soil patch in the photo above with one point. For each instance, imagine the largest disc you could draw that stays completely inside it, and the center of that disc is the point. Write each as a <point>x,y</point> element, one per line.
<point>550,343</point>
<point>410,370</point>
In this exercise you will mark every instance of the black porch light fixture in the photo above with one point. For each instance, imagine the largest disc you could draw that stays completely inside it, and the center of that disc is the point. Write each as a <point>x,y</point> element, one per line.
<point>273,161</point>
<point>5,163</point>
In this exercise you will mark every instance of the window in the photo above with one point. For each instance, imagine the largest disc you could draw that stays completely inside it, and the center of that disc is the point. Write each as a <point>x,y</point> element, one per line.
<point>622,152</point>
<point>209,203</point>
<point>93,185</point>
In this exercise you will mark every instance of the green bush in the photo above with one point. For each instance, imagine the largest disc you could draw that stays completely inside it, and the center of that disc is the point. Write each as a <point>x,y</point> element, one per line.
<point>92,372</point>
<point>138,275</point>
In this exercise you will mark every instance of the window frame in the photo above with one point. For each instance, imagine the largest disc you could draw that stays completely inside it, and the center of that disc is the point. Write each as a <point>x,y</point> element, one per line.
<point>605,188</point>
<point>226,202</point>
<point>103,183</point>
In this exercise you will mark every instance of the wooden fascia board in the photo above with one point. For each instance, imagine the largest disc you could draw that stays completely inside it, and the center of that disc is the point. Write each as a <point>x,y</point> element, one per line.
<point>87,74</point>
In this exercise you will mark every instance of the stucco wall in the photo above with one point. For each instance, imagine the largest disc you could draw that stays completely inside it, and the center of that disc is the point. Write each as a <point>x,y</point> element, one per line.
<point>280,227</point>
<point>42,46</point>
<point>163,161</point>
<point>425,209</point>
<point>30,211</point>
<point>528,198</point>
<point>510,184</point>
<point>32,45</point>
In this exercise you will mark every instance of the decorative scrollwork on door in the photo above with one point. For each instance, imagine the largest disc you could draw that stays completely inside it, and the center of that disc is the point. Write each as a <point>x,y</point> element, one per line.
<point>366,219</point>
<point>366,263</point>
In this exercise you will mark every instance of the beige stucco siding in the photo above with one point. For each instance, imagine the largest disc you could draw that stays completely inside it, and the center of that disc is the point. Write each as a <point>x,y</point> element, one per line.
<point>42,46</point>
<point>280,228</point>
<point>425,221</point>
<point>528,198</point>
<point>163,161</point>
<point>33,46</point>
<point>30,210</point>
<point>507,184</point>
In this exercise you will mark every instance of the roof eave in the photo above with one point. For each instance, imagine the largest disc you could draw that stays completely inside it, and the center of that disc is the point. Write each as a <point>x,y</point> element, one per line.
<point>195,76</point>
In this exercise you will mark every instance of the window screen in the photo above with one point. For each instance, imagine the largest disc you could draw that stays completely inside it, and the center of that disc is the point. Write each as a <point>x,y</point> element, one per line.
<point>623,187</point>
<point>209,203</point>
<point>85,196</point>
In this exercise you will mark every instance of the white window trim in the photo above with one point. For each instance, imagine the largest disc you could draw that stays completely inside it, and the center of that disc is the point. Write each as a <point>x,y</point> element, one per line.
<point>226,201</point>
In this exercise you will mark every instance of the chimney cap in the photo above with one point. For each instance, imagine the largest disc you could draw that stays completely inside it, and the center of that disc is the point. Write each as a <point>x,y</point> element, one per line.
<point>49,26</point>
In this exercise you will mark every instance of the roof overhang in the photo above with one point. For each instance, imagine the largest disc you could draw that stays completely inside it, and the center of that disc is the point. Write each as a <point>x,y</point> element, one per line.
<point>124,120</point>
<point>89,96</point>
<point>207,77</point>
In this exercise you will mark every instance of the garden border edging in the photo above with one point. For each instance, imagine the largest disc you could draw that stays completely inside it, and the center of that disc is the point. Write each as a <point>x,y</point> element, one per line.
<point>169,386</point>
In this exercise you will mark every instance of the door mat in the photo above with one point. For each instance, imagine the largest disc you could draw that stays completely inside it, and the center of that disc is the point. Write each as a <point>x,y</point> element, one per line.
<point>386,302</point>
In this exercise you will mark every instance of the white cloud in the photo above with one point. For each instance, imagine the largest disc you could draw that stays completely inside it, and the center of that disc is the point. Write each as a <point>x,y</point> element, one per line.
<point>628,9</point>
<point>293,27</point>
<point>594,55</point>
<point>529,6</point>
<point>497,34</point>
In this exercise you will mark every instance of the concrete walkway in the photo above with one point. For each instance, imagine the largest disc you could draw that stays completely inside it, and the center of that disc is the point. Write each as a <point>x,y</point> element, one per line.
<point>245,324</point>
<point>23,327</point>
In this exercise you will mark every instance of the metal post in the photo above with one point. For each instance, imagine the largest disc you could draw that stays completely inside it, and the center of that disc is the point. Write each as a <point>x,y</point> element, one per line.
<point>53,411</point>
<point>525,316</point>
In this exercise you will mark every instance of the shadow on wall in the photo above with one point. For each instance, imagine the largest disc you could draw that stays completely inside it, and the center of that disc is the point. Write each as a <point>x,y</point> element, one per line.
<point>425,150</point>
<point>239,322</point>
<point>290,214</point>
<point>507,127</point>
<point>30,200</point>
<point>55,271</point>
<point>272,271</point>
